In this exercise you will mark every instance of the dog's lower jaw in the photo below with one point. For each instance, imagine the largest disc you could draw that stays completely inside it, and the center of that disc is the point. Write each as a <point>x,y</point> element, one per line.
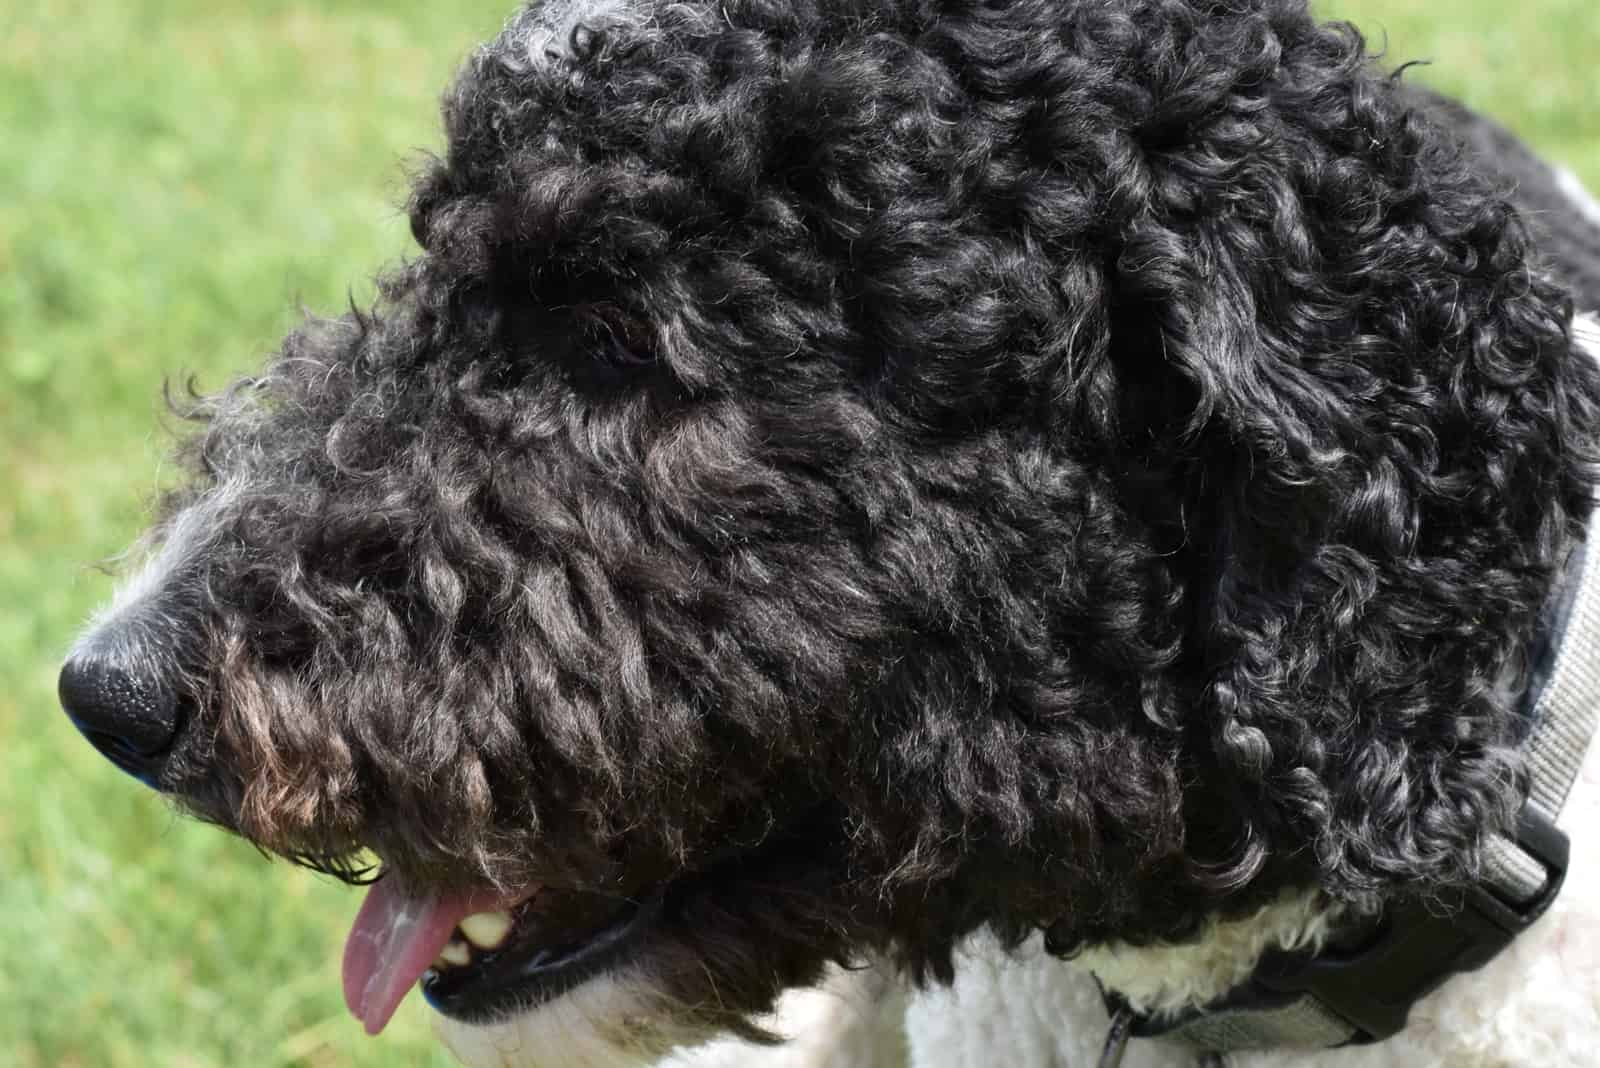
<point>853,1019</point>
<point>615,1020</point>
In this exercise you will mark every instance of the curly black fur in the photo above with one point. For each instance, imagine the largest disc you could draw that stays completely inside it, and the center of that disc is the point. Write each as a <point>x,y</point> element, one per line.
<point>889,468</point>
<point>1568,241</point>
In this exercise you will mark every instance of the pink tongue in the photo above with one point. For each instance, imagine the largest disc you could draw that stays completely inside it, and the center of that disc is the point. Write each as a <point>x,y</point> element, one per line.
<point>394,940</point>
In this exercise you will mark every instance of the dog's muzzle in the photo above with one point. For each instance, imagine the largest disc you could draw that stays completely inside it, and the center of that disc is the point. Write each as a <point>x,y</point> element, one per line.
<point>120,701</point>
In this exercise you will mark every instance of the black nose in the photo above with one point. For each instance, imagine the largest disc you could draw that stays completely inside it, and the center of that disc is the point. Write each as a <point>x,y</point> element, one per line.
<point>123,708</point>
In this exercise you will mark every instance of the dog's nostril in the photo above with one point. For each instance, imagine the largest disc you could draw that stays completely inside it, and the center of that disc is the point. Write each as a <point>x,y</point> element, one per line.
<point>129,715</point>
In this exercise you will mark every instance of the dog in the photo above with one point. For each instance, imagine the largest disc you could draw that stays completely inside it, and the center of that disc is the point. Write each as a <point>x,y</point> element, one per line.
<point>882,532</point>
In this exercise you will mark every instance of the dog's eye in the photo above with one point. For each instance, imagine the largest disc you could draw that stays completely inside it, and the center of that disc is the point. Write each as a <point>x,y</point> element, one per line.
<point>619,338</point>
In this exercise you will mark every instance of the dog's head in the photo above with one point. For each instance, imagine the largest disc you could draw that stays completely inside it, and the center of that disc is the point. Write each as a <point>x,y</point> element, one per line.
<point>840,474</point>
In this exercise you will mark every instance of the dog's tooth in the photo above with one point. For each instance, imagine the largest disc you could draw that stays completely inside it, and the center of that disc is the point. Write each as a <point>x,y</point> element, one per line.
<point>486,929</point>
<point>455,953</point>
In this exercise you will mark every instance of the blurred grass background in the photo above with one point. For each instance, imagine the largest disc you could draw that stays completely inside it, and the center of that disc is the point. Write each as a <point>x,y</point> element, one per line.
<point>174,176</point>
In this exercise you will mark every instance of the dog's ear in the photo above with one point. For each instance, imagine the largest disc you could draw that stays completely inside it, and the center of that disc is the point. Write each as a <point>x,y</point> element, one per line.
<point>1378,443</point>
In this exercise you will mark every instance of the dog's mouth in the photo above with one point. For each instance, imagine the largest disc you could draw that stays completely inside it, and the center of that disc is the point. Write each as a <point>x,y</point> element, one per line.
<point>481,956</point>
<point>502,962</point>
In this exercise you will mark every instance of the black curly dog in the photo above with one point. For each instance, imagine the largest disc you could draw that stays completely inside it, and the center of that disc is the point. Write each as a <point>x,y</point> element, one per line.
<point>844,474</point>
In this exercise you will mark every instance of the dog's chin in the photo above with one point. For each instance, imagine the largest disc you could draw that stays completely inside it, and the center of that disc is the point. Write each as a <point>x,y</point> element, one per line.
<point>615,1019</point>
<point>626,1019</point>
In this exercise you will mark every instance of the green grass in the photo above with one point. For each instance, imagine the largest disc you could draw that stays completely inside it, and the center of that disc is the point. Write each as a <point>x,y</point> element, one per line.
<point>175,175</point>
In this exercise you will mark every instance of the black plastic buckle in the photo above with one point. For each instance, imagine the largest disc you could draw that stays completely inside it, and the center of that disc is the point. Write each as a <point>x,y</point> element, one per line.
<point>1418,947</point>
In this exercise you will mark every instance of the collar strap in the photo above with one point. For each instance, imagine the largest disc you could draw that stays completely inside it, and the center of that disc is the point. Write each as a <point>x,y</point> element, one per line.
<point>1355,998</point>
<point>1352,997</point>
